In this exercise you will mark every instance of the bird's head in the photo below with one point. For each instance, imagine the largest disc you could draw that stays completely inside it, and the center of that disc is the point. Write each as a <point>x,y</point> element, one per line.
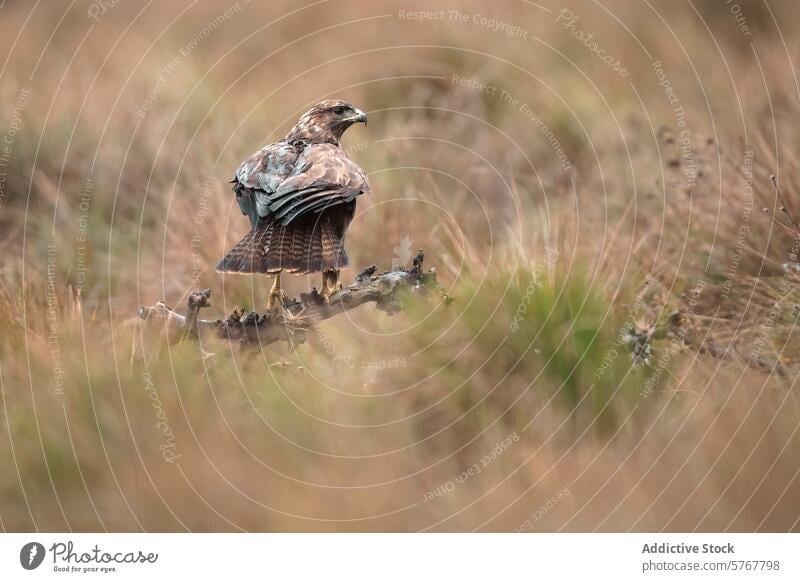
<point>326,122</point>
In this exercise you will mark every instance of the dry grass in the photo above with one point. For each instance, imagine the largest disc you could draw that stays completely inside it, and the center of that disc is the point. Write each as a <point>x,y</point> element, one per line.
<point>378,422</point>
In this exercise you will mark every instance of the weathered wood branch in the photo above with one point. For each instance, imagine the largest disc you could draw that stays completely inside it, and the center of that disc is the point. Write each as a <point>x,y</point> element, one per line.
<point>298,315</point>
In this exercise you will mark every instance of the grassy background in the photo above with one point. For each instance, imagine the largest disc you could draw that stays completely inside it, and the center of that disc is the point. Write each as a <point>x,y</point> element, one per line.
<point>563,204</point>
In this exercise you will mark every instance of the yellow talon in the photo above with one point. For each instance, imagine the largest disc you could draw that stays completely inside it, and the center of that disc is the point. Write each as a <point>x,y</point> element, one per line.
<point>330,284</point>
<point>275,295</point>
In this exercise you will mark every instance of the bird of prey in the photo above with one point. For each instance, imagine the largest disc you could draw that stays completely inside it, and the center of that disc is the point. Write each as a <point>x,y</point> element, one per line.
<point>300,196</point>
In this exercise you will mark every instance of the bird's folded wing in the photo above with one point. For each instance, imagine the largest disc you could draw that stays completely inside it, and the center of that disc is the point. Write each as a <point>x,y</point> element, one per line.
<point>261,174</point>
<point>323,177</point>
<point>268,167</point>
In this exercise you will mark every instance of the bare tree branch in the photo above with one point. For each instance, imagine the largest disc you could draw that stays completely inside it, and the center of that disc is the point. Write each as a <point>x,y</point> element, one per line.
<point>298,315</point>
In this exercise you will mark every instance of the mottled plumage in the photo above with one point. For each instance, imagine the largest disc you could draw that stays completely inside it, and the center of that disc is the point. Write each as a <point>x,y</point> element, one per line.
<point>300,196</point>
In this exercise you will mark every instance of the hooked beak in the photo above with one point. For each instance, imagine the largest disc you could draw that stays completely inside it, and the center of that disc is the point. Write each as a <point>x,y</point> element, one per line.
<point>359,117</point>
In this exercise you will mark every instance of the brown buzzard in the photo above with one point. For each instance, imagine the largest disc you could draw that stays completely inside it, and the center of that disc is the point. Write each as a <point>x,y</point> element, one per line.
<point>300,195</point>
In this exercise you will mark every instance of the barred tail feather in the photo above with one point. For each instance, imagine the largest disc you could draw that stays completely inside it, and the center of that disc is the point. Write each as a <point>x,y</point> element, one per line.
<point>247,256</point>
<point>304,246</point>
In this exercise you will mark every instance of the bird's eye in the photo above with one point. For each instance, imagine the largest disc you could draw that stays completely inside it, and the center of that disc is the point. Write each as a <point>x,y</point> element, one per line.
<point>338,110</point>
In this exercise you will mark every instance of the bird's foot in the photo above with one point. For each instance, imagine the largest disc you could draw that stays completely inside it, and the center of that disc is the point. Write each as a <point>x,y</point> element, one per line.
<point>325,295</point>
<point>330,284</point>
<point>275,301</point>
<point>276,306</point>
